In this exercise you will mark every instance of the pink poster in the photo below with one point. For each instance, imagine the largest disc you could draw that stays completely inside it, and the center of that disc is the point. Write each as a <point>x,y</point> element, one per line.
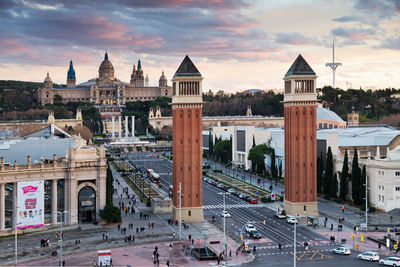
<point>30,209</point>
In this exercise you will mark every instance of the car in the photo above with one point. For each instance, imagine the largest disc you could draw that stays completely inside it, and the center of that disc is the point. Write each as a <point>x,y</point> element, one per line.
<point>341,251</point>
<point>279,215</point>
<point>247,198</point>
<point>291,219</point>
<point>212,182</point>
<point>219,185</point>
<point>391,261</point>
<point>236,193</point>
<point>250,228</point>
<point>369,256</point>
<point>230,190</point>
<point>225,188</point>
<point>242,196</point>
<point>225,214</point>
<point>255,234</point>
<point>253,201</point>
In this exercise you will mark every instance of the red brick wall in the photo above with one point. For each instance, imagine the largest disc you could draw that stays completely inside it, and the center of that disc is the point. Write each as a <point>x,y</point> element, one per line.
<point>187,156</point>
<point>300,154</point>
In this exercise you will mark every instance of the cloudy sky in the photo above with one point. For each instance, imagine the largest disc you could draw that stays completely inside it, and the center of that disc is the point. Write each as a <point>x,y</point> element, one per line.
<point>236,44</point>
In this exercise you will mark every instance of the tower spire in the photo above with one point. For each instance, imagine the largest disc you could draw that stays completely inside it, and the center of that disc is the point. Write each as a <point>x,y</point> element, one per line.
<point>333,65</point>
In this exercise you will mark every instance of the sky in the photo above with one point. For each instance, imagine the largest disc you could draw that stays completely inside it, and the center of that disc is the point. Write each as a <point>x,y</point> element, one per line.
<point>235,44</point>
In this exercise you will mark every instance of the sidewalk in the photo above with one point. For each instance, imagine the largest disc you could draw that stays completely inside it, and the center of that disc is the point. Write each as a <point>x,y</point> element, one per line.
<point>137,254</point>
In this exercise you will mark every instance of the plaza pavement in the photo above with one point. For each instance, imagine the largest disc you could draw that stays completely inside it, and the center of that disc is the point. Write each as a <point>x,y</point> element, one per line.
<point>138,254</point>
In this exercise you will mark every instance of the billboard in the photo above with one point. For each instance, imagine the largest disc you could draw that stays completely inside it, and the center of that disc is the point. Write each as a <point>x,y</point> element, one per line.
<point>30,209</point>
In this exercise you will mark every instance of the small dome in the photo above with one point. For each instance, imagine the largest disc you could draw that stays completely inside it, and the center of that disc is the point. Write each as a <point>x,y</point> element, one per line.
<point>48,79</point>
<point>106,69</point>
<point>163,78</point>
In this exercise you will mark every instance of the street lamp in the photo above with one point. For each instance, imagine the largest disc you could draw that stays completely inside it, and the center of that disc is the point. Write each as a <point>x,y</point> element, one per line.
<point>61,235</point>
<point>294,245</point>
<point>225,242</point>
<point>366,203</point>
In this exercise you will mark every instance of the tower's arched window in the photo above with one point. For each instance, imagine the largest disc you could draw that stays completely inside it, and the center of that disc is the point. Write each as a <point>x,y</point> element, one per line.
<point>47,94</point>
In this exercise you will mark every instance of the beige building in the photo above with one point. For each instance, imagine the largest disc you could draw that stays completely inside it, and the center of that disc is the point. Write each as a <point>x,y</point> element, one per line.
<point>106,89</point>
<point>74,176</point>
<point>158,122</point>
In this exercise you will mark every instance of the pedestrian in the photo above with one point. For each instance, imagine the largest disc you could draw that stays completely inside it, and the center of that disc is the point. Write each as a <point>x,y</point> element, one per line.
<point>152,225</point>
<point>141,215</point>
<point>104,235</point>
<point>119,227</point>
<point>170,246</point>
<point>149,225</point>
<point>379,246</point>
<point>279,247</point>
<point>230,253</point>
<point>331,226</point>
<point>137,230</point>
<point>324,223</point>
<point>107,236</point>
<point>167,263</point>
<point>254,249</point>
<point>218,261</point>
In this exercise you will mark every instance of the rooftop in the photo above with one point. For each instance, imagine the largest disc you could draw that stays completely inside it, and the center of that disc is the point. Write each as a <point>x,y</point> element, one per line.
<point>187,69</point>
<point>300,67</point>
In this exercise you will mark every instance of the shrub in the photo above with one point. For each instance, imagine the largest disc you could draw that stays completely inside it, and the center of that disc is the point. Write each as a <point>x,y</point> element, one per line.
<point>111,213</point>
<point>219,171</point>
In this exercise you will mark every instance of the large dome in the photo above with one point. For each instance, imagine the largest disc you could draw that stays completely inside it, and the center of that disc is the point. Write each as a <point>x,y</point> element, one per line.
<point>106,69</point>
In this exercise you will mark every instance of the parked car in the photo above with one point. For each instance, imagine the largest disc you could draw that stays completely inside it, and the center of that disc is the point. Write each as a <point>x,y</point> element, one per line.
<point>253,201</point>
<point>225,214</point>
<point>242,196</point>
<point>212,182</point>
<point>250,228</point>
<point>225,188</point>
<point>255,234</point>
<point>247,198</point>
<point>391,261</point>
<point>369,256</point>
<point>279,215</point>
<point>236,193</point>
<point>291,220</point>
<point>341,251</point>
<point>219,185</point>
<point>230,190</point>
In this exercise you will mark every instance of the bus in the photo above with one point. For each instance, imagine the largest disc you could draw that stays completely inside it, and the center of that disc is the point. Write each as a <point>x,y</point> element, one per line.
<point>153,176</point>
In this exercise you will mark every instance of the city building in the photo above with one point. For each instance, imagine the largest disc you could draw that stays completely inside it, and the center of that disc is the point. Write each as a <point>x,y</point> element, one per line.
<point>299,101</point>
<point>106,90</point>
<point>187,104</point>
<point>73,173</point>
<point>22,129</point>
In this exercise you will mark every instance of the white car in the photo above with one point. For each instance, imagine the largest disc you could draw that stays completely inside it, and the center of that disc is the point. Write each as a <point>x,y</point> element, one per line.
<point>391,261</point>
<point>291,219</point>
<point>368,256</point>
<point>231,190</point>
<point>225,214</point>
<point>341,251</point>
<point>250,228</point>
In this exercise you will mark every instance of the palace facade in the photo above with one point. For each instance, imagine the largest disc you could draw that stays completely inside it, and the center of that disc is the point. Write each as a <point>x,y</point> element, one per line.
<point>106,90</point>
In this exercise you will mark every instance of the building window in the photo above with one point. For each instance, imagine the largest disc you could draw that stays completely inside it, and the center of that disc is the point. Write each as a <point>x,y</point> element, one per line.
<point>335,126</point>
<point>397,173</point>
<point>379,187</point>
<point>189,213</point>
<point>320,126</point>
<point>379,197</point>
<point>383,198</point>
<point>397,188</point>
<point>305,208</point>
<point>325,125</point>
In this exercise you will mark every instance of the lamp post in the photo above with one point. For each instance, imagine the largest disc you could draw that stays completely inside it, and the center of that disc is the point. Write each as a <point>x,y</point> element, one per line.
<point>180,211</point>
<point>61,235</point>
<point>294,245</point>
<point>225,241</point>
<point>366,203</point>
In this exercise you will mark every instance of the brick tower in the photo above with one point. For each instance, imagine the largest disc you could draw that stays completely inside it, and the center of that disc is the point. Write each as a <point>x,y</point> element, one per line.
<point>300,140</point>
<point>187,105</point>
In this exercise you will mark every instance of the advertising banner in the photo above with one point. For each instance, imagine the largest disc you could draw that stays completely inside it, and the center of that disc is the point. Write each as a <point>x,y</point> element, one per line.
<point>30,209</point>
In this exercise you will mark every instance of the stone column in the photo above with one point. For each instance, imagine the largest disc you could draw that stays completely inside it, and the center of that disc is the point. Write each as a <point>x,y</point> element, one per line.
<point>126,126</point>
<point>133,126</point>
<point>14,205</point>
<point>112,127</point>
<point>2,206</point>
<point>54,202</point>
<point>119,127</point>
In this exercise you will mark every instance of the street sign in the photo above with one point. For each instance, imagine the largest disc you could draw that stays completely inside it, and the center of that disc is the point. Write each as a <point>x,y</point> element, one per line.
<point>279,205</point>
<point>388,229</point>
<point>273,197</point>
<point>198,241</point>
<point>396,246</point>
<point>362,238</point>
<point>257,192</point>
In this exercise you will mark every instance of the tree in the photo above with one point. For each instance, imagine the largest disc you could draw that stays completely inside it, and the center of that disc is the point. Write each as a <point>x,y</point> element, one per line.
<point>344,178</point>
<point>280,170</point>
<point>221,150</point>
<point>355,179</point>
<point>257,157</point>
<point>111,213</point>
<point>320,169</point>
<point>109,187</point>
<point>328,175</point>
<point>274,171</point>
<point>210,144</point>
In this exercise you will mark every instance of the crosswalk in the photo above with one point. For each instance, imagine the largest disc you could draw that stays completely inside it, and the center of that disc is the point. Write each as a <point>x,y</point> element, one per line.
<point>232,206</point>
